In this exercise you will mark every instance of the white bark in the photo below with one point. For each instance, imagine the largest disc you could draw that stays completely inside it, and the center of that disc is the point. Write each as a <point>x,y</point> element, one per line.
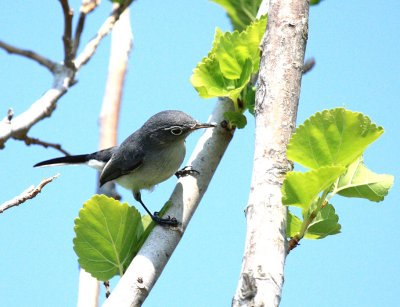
<point>147,266</point>
<point>277,96</point>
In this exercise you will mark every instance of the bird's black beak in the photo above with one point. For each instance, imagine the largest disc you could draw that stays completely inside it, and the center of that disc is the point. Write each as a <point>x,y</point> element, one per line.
<point>203,125</point>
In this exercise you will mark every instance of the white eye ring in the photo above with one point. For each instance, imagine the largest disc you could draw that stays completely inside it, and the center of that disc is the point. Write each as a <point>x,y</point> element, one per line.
<point>176,130</point>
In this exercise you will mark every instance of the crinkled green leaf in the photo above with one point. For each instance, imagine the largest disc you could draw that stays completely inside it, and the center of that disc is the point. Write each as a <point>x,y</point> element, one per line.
<point>107,234</point>
<point>334,137</point>
<point>240,12</point>
<point>208,80</point>
<point>300,189</point>
<point>360,182</point>
<point>233,59</point>
<point>235,48</point>
<point>293,225</point>
<point>236,118</point>
<point>324,224</point>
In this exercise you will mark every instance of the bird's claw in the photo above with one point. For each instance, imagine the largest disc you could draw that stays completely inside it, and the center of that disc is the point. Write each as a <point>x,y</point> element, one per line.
<point>187,170</point>
<point>164,221</point>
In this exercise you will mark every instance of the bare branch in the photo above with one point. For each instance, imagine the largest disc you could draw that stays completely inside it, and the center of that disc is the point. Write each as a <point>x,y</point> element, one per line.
<point>29,193</point>
<point>50,65</point>
<point>91,47</point>
<point>86,7</point>
<point>107,26</point>
<point>63,79</point>
<point>19,126</point>
<point>67,37</point>
<point>29,141</point>
<point>78,33</point>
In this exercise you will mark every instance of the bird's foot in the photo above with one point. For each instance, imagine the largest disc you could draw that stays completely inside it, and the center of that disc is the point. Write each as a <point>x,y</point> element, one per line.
<point>167,221</point>
<point>187,170</point>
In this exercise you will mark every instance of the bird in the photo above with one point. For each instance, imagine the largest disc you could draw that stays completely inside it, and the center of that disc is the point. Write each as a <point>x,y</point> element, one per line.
<point>147,157</point>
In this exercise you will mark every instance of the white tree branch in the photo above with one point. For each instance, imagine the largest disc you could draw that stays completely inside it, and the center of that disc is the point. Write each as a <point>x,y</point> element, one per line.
<point>29,193</point>
<point>261,278</point>
<point>19,126</point>
<point>147,266</point>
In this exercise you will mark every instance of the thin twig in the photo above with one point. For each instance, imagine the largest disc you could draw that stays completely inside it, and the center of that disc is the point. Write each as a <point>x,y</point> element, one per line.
<point>29,141</point>
<point>107,286</point>
<point>50,65</point>
<point>78,33</point>
<point>86,7</point>
<point>29,193</point>
<point>91,47</point>
<point>67,37</point>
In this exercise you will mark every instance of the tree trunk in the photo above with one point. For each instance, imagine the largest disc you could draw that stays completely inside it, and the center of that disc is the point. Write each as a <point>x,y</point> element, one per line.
<point>278,91</point>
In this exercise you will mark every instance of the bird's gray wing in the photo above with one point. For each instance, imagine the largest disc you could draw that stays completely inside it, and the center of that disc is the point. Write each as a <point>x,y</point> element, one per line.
<point>123,161</point>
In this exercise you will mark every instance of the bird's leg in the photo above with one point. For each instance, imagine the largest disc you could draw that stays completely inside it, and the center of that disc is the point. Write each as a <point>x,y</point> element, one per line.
<point>155,217</point>
<point>187,170</point>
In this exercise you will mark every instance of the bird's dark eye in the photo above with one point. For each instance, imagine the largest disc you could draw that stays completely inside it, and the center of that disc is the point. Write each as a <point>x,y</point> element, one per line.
<point>176,131</point>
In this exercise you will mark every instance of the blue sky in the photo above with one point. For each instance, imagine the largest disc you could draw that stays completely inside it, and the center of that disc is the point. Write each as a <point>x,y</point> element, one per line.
<point>356,47</point>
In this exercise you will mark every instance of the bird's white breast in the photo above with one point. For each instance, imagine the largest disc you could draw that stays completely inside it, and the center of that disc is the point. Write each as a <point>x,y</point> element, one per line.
<point>156,167</point>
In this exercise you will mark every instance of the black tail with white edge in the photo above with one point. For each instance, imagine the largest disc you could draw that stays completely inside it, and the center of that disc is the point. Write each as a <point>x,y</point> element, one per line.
<point>102,156</point>
<point>64,160</point>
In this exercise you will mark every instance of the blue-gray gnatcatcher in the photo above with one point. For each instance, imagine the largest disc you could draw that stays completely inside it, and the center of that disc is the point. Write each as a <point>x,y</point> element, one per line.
<point>147,157</point>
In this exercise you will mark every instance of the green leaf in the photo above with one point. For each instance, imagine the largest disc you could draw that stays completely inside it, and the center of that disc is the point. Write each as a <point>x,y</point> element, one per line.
<point>107,234</point>
<point>314,2</point>
<point>293,225</point>
<point>360,182</point>
<point>324,224</point>
<point>236,118</point>
<point>240,12</point>
<point>300,189</point>
<point>233,59</point>
<point>249,98</point>
<point>334,137</point>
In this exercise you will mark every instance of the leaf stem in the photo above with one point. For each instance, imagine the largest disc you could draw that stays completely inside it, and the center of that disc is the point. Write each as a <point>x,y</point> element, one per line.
<point>309,218</point>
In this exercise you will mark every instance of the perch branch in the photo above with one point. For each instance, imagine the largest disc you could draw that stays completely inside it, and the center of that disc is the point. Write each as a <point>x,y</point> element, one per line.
<point>29,193</point>
<point>146,267</point>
